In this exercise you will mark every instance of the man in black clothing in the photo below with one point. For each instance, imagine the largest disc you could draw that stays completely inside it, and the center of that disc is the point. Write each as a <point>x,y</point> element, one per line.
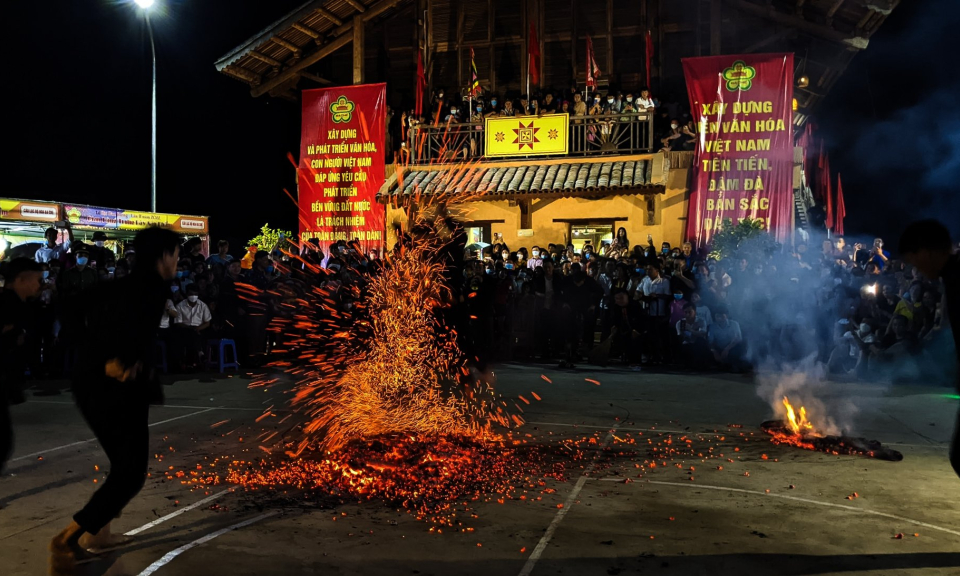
<point>581,296</point>
<point>23,279</point>
<point>114,386</point>
<point>926,244</point>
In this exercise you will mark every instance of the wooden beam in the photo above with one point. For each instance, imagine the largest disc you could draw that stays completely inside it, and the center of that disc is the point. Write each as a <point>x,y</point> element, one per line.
<point>316,78</point>
<point>820,31</point>
<point>768,40</point>
<point>329,16</point>
<point>358,29</point>
<point>357,6</point>
<point>288,45</point>
<point>833,10</point>
<point>317,37</point>
<point>303,63</point>
<point>243,74</point>
<point>265,59</point>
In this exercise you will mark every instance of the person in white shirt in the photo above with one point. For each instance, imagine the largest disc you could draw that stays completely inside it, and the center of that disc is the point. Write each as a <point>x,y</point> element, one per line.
<point>656,294</point>
<point>535,261</point>
<point>645,102</point>
<point>51,250</point>
<point>193,319</point>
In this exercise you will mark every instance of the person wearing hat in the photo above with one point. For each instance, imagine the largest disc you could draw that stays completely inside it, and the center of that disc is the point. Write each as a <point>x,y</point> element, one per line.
<point>81,276</point>
<point>99,252</point>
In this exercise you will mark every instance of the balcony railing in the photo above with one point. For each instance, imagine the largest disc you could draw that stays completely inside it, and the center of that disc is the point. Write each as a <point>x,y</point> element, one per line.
<point>624,133</point>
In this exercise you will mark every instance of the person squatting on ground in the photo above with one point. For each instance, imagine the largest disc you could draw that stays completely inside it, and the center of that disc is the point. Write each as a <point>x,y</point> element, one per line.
<point>114,385</point>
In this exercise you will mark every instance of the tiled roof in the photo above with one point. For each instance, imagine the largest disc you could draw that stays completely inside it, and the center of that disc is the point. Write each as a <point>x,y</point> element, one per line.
<point>571,178</point>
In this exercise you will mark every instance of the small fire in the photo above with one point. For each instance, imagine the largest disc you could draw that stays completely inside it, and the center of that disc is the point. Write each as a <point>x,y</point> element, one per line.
<point>798,430</point>
<point>800,426</point>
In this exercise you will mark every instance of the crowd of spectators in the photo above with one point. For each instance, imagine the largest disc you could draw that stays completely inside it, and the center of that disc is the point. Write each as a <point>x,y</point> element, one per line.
<point>854,308</point>
<point>599,111</point>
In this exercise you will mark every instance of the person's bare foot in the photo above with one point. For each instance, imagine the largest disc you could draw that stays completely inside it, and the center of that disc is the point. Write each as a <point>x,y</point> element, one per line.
<point>66,551</point>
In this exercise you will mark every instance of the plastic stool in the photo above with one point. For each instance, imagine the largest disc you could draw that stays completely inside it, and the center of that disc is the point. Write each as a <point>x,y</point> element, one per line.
<point>219,361</point>
<point>162,351</point>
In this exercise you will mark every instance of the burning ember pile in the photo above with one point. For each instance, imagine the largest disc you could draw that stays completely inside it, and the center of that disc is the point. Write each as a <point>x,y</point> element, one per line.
<point>798,431</point>
<point>437,479</point>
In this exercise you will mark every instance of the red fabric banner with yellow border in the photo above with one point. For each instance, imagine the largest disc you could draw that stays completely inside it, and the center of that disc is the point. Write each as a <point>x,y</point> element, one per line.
<point>743,106</point>
<point>342,164</point>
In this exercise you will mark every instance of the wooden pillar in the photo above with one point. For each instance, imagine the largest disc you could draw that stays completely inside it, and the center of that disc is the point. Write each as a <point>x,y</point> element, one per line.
<point>461,14</point>
<point>358,28</point>
<point>493,52</point>
<point>609,71</point>
<point>526,214</point>
<point>715,27</point>
<point>574,63</point>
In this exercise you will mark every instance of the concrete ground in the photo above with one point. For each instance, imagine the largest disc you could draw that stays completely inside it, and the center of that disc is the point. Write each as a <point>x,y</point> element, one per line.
<point>770,509</point>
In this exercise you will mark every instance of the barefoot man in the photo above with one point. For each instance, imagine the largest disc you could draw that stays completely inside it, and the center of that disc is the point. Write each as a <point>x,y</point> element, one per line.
<point>113,386</point>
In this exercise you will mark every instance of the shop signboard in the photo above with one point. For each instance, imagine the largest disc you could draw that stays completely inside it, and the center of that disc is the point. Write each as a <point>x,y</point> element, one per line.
<point>29,210</point>
<point>90,217</point>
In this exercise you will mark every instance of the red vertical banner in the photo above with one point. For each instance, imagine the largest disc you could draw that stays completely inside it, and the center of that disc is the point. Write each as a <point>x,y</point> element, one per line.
<point>342,164</point>
<point>744,110</point>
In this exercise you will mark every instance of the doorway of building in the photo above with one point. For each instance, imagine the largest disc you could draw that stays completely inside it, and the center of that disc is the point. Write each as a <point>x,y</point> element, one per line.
<point>594,234</point>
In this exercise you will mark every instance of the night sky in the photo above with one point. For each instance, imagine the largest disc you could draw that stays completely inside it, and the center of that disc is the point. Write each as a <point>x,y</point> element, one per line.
<point>77,120</point>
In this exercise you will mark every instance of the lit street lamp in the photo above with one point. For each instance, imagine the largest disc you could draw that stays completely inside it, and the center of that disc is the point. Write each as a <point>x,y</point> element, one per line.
<point>145,6</point>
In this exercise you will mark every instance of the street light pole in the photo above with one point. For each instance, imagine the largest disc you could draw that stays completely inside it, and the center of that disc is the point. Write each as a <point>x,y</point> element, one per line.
<point>145,5</point>
<point>153,123</point>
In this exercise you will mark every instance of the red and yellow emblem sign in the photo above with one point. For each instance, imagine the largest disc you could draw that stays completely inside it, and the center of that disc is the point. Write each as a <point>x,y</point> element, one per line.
<point>527,135</point>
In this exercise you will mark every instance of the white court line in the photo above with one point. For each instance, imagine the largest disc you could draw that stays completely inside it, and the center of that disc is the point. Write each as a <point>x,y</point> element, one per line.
<point>545,539</point>
<point>796,499</point>
<point>172,515</point>
<point>169,556</point>
<point>88,440</point>
<point>166,406</point>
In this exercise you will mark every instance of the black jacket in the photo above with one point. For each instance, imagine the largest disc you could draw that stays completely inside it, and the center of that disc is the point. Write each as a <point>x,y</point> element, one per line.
<point>119,319</point>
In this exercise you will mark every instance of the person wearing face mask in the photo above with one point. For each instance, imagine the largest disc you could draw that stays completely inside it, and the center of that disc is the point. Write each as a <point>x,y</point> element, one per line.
<point>193,319</point>
<point>535,260</point>
<point>99,254</point>
<point>453,117</point>
<point>80,277</point>
<point>23,281</point>
<point>673,139</point>
<point>494,109</point>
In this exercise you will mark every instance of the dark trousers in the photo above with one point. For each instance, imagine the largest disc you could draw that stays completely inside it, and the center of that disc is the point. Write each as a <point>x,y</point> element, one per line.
<point>117,415</point>
<point>6,432</point>
<point>658,337</point>
<point>955,446</point>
